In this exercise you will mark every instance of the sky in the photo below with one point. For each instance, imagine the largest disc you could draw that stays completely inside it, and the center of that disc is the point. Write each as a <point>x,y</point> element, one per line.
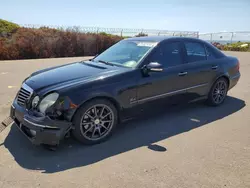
<point>185,15</point>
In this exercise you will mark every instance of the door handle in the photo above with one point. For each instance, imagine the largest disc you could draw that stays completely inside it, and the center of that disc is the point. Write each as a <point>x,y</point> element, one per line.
<point>215,67</point>
<point>182,73</point>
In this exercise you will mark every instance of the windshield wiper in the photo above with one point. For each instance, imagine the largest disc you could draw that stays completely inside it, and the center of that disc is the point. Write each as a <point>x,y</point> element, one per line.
<point>105,62</point>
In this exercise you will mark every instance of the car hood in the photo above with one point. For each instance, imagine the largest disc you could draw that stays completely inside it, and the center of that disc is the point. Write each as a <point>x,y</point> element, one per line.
<point>70,73</point>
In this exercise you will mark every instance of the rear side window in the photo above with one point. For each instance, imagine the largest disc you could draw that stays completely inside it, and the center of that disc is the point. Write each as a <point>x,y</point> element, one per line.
<point>168,54</point>
<point>210,53</point>
<point>195,52</point>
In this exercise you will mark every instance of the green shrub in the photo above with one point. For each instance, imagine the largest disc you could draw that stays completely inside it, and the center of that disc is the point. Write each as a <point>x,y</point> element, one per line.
<point>233,47</point>
<point>7,27</point>
<point>237,47</point>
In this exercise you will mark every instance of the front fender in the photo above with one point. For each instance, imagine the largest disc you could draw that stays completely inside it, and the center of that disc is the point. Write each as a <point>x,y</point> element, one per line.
<point>72,103</point>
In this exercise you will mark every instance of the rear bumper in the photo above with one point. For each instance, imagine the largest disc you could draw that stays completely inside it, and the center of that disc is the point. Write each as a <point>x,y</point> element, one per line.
<point>39,129</point>
<point>234,80</point>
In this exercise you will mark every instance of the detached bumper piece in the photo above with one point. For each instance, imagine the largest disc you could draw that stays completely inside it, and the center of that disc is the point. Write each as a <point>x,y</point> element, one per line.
<point>39,130</point>
<point>5,123</point>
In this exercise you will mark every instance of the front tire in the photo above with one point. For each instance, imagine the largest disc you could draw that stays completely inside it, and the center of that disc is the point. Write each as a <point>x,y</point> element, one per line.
<point>218,92</point>
<point>95,121</point>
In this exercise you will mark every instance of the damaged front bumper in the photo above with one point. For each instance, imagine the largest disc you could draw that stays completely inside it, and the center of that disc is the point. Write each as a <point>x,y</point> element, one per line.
<point>39,129</point>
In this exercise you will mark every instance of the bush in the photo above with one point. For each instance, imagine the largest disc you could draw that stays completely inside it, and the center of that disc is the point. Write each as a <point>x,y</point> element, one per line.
<point>27,43</point>
<point>141,34</point>
<point>238,46</point>
<point>7,27</point>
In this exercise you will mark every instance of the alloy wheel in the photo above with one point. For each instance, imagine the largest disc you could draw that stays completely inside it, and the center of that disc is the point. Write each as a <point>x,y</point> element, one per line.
<point>219,92</point>
<point>97,122</point>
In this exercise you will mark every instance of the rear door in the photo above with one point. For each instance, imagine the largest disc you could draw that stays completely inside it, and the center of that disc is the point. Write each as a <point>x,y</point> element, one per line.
<point>200,70</point>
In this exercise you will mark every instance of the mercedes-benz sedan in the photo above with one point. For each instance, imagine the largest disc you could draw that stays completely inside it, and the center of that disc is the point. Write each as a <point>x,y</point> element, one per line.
<point>89,98</point>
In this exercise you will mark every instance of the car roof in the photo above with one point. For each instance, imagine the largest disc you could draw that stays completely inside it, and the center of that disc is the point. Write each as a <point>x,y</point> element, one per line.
<point>162,38</point>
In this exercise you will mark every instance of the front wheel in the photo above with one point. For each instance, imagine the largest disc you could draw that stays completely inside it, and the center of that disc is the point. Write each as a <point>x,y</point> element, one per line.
<point>218,92</point>
<point>95,121</point>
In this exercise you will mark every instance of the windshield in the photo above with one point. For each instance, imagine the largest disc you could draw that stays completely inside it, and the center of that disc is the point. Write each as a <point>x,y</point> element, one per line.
<point>126,53</point>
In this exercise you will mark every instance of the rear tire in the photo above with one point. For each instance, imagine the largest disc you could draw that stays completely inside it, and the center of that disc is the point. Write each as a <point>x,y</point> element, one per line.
<point>218,92</point>
<point>95,121</point>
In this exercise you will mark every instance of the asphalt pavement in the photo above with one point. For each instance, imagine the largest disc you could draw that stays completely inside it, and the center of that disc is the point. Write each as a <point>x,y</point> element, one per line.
<point>191,146</point>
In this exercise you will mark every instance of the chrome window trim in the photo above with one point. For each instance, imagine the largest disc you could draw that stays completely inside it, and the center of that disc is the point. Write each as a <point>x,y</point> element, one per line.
<point>169,93</point>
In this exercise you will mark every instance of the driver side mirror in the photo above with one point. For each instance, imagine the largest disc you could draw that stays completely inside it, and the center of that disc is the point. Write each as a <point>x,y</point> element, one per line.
<point>154,67</point>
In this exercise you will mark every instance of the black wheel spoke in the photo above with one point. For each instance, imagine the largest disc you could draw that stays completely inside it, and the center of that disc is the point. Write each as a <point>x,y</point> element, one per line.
<point>221,86</point>
<point>219,99</point>
<point>102,111</point>
<point>91,117</point>
<point>104,126</point>
<point>105,115</point>
<point>91,127</point>
<point>99,132</point>
<point>95,111</point>
<point>216,98</point>
<point>107,121</point>
<point>86,123</point>
<point>93,133</point>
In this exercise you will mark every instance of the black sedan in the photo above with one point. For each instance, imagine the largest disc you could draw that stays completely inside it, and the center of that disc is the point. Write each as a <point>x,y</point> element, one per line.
<point>89,98</point>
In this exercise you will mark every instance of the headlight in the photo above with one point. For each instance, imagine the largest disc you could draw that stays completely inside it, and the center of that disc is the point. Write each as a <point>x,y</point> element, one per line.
<point>47,102</point>
<point>35,102</point>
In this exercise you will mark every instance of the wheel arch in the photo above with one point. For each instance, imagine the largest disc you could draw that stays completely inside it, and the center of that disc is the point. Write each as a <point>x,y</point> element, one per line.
<point>222,76</point>
<point>108,98</point>
<point>226,77</point>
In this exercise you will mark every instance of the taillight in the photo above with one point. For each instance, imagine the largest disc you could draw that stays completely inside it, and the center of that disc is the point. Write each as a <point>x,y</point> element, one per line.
<point>238,66</point>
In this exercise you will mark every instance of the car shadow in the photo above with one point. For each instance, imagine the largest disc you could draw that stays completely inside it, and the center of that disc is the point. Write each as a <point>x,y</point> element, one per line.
<point>144,131</point>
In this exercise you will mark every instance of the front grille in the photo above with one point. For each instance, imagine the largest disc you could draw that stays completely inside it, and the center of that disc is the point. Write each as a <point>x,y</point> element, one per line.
<point>24,94</point>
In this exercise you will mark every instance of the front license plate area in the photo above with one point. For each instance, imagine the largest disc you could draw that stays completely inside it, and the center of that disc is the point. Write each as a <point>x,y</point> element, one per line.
<point>12,112</point>
<point>19,115</point>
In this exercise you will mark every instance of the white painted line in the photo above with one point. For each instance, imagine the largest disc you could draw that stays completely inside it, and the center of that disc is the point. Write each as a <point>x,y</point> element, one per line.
<point>10,87</point>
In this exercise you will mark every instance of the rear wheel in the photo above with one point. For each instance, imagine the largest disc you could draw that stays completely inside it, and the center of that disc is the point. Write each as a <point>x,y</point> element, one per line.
<point>218,92</point>
<point>95,121</point>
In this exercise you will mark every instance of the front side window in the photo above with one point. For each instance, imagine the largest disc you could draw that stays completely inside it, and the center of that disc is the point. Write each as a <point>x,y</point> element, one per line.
<point>126,53</point>
<point>168,54</point>
<point>195,51</point>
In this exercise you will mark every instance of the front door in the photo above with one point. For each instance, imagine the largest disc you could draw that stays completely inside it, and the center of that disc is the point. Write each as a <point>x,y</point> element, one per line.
<point>168,85</point>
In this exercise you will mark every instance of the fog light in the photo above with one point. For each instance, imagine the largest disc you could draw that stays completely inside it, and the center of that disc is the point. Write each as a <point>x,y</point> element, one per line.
<point>35,102</point>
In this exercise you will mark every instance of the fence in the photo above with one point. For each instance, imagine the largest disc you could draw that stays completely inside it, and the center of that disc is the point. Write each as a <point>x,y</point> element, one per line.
<point>221,37</point>
<point>121,31</point>
<point>226,37</point>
